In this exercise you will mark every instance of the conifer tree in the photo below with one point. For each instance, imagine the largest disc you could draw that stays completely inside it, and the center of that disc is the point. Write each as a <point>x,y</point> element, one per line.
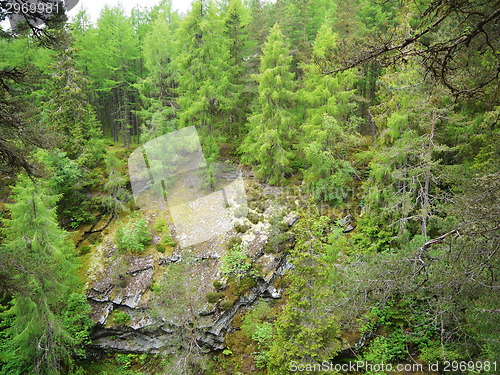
<point>110,55</point>
<point>158,89</point>
<point>329,129</point>
<point>272,127</point>
<point>205,87</point>
<point>38,341</point>
<point>67,111</point>
<point>236,21</point>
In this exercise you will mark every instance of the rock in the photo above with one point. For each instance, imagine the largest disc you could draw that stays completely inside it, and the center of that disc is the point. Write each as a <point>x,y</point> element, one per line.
<point>291,219</point>
<point>138,264</point>
<point>124,285</point>
<point>172,259</point>
<point>100,311</point>
<point>256,239</point>
<point>135,286</point>
<point>346,224</point>
<point>267,265</point>
<point>272,292</point>
<point>104,294</point>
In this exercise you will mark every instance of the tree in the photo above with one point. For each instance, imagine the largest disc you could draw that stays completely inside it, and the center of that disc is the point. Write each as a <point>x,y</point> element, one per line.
<point>455,42</point>
<point>110,55</point>
<point>158,89</point>
<point>206,86</point>
<point>330,124</point>
<point>41,259</point>
<point>66,110</point>
<point>269,143</point>
<point>306,329</point>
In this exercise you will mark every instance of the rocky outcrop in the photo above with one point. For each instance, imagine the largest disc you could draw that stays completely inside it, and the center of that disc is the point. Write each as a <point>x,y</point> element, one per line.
<point>123,304</point>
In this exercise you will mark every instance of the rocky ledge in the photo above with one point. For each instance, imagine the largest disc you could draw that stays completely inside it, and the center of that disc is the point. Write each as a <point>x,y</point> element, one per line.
<point>123,305</point>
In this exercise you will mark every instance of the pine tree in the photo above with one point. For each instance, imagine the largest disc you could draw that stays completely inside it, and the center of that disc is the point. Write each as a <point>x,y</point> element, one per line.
<point>67,111</point>
<point>269,143</point>
<point>206,90</point>
<point>329,129</point>
<point>38,341</point>
<point>236,20</point>
<point>110,55</point>
<point>405,168</point>
<point>158,89</point>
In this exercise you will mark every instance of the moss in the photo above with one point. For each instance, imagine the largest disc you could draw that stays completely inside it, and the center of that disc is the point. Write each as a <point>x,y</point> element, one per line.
<point>213,297</point>
<point>226,304</point>
<point>85,249</point>
<point>218,285</point>
<point>244,285</point>
<point>240,227</point>
<point>253,217</point>
<point>233,241</point>
<point>160,248</point>
<point>119,318</point>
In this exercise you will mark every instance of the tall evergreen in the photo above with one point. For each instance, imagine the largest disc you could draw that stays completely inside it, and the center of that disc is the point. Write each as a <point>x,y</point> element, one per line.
<point>38,339</point>
<point>206,91</point>
<point>330,125</point>
<point>272,127</point>
<point>158,89</point>
<point>66,110</point>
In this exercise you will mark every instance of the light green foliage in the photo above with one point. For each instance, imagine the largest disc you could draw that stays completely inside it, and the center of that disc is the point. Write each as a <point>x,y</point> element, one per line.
<point>257,324</point>
<point>69,182</point>
<point>306,331</point>
<point>157,90</point>
<point>117,196</point>
<point>134,236</point>
<point>110,54</point>
<point>272,124</point>
<point>67,112</point>
<point>406,169</point>
<point>329,130</point>
<point>206,88</point>
<point>162,228</point>
<point>236,264</point>
<point>119,317</point>
<point>39,338</point>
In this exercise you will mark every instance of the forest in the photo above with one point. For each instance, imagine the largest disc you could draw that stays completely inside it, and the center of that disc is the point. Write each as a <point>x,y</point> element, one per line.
<point>356,145</point>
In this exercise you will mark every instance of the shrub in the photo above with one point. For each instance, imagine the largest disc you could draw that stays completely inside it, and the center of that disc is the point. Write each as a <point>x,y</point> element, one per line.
<point>134,236</point>
<point>119,317</point>
<point>236,264</point>
<point>167,240</point>
<point>218,285</point>
<point>226,304</point>
<point>213,297</point>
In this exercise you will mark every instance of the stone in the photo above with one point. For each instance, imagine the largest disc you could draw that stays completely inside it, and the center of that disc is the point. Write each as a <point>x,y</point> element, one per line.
<point>291,218</point>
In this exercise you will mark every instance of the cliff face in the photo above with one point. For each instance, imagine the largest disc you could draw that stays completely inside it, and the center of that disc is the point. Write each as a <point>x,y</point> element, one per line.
<point>151,302</point>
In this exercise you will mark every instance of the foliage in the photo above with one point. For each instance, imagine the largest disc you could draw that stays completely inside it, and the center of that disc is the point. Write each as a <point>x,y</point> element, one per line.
<point>133,237</point>
<point>119,317</point>
<point>236,264</point>
<point>272,124</point>
<point>47,322</point>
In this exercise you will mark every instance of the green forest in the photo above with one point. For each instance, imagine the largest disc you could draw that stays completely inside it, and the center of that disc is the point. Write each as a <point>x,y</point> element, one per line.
<point>367,136</point>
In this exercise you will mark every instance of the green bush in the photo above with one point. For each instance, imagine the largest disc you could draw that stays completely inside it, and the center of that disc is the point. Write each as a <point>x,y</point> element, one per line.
<point>226,304</point>
<point>134,236</point>
<point>236,264</point>
<point>213,297</point>
<point>119,317</point>
<point>167,240</point>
